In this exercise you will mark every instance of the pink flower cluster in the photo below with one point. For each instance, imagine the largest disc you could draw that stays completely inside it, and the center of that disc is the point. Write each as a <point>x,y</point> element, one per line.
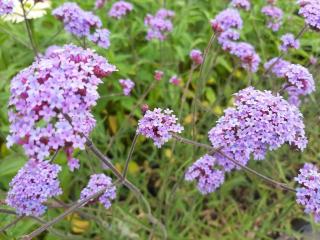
<point>96,183</point>
<point>175,80</point>
<point>158,75</point>
<point>258,122</point>
<point>120,9</point>
<point>34,184</point>
<point>274,15</point>
<point>196,56</point>
<point>289,41</point>
<point>308,193</point>
<point>159,25</point>
<point>127,86</point>
<point>64,81</point>
<point>159,125</point>
<point>243,4</point>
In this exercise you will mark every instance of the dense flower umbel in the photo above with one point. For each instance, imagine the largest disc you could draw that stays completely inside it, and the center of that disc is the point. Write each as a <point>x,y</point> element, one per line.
<point>120,9</point>
<point>308,194</point>
<point>127,86</point>
<point>250,60</point>
<point>6,7</point>
<point>244,4</point>
<point>274,15</point>
<point>207,177</point>
<point>310,10</point>
<point>229,18</point>
<point>34,184</point>
<point>277,66</point>
<point>77,21</point>
<point>159,25</point>
<point>196,56</point>
<point>101,38</point>
<point>96,183</point>
<point>158,125</point>
<point>258,122</point>
<point>64,81</point>
<point>288,41</point>
<point>300,78</point>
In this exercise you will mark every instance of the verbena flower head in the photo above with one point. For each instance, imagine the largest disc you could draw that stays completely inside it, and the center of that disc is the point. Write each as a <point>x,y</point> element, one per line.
<point>64,81</point>
<point>259,121</point>
<point>226,39</point>
<point>276,65</point>
<point>127,86</point>
<point>33,8</point>
<point>158,75</point>
<point>77,21</point>
<point>159,25</point>
<point>274,15</point>
<point>300,78</point>
<point>243,4</point>
<point>196,56</point>
<point>250,60</point>
<point>100,4</point>
<point>96,183</point>
<point>229,18</point>
<point>203,171</point>
<point>288,41</point>
<point>310,10</point>
<point>159,125</point>
<point>120,9</point>
<point>101,38</point>
<point>6,7</point>
<point>175,80</point>
<point>308,194</point>
<point>34,184</point>
<point>313,60</point>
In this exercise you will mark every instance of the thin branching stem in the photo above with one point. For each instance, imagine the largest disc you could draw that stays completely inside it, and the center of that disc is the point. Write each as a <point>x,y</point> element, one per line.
<point>134,142</point>
<point>14,222</point>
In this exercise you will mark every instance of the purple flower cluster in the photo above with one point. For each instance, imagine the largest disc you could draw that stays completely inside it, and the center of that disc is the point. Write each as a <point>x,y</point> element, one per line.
<point>159,25</point>
<point>76,20</point>
<point>101,38</point>
<point>274,15</point>
<point>64,81</point>
<point>225,20</point>
<point>196,56</point>
<point>258,122</point>
<point>308,195</point>
<point>288,41</point>
<point>277,66</point>
<point>250,60</point>
<point>243,4</point>
<point>310,10</point>
<point>127,86</point>
<point>96,183</point>
<point>100,4</point>
<point>226,39</point>
<point>158,125</point>
<point>120,9</point>
<point>207,177</point>
<point>175,80</point>
<point>34,184</point>
<point>6,7</point>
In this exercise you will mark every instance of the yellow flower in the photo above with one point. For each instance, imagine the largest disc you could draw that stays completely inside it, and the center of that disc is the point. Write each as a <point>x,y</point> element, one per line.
<point>33,9</point>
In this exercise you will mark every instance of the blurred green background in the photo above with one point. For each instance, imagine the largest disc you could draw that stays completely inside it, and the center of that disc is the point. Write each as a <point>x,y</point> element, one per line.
<point>244,207</point>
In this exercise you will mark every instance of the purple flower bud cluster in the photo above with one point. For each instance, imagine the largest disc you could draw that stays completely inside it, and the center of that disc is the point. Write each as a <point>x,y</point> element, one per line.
<point>96,183</point>
<point>225,20</point>
<point>127,86</point>
<point>207,177</point>
<point>100,4</point>
<point>64,81</point>
<point>288,41</point>
<point>274,15</point>
<point>308,194</point>
<point>242,4</point>
<point>250,60</point>
<point>196,56</point>
<point>159,25</point>
<point>6,7</point>
<point>226,39</point>
<point>101,38</point>
<point>34,184</point>
<point>175,80</point>
<point>120,9</point>
<point>276,65</point>
<point>310,10</point>
<point>260,121</point>
<point>159,125</point>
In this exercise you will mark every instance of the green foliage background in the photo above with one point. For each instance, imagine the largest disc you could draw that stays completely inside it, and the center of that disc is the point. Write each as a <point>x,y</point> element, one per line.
<point>244,207</point>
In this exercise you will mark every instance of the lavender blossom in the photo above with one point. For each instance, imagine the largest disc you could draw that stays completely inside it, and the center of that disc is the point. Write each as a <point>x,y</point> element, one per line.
<point>6,7</point>
<point>229,18</point>
<point>277,66</point>
<point>159,125</point>
<point>101,38</point>
<point>120,9</point>
<point>274,15</point>
<point>227,39</point>
<point>100,4</point>
<point>288,41</point>
<point>310,10</point>
<point>127,86</point>
<point>250,60</point>
<point>196,56</point>
<point>242,4</point>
